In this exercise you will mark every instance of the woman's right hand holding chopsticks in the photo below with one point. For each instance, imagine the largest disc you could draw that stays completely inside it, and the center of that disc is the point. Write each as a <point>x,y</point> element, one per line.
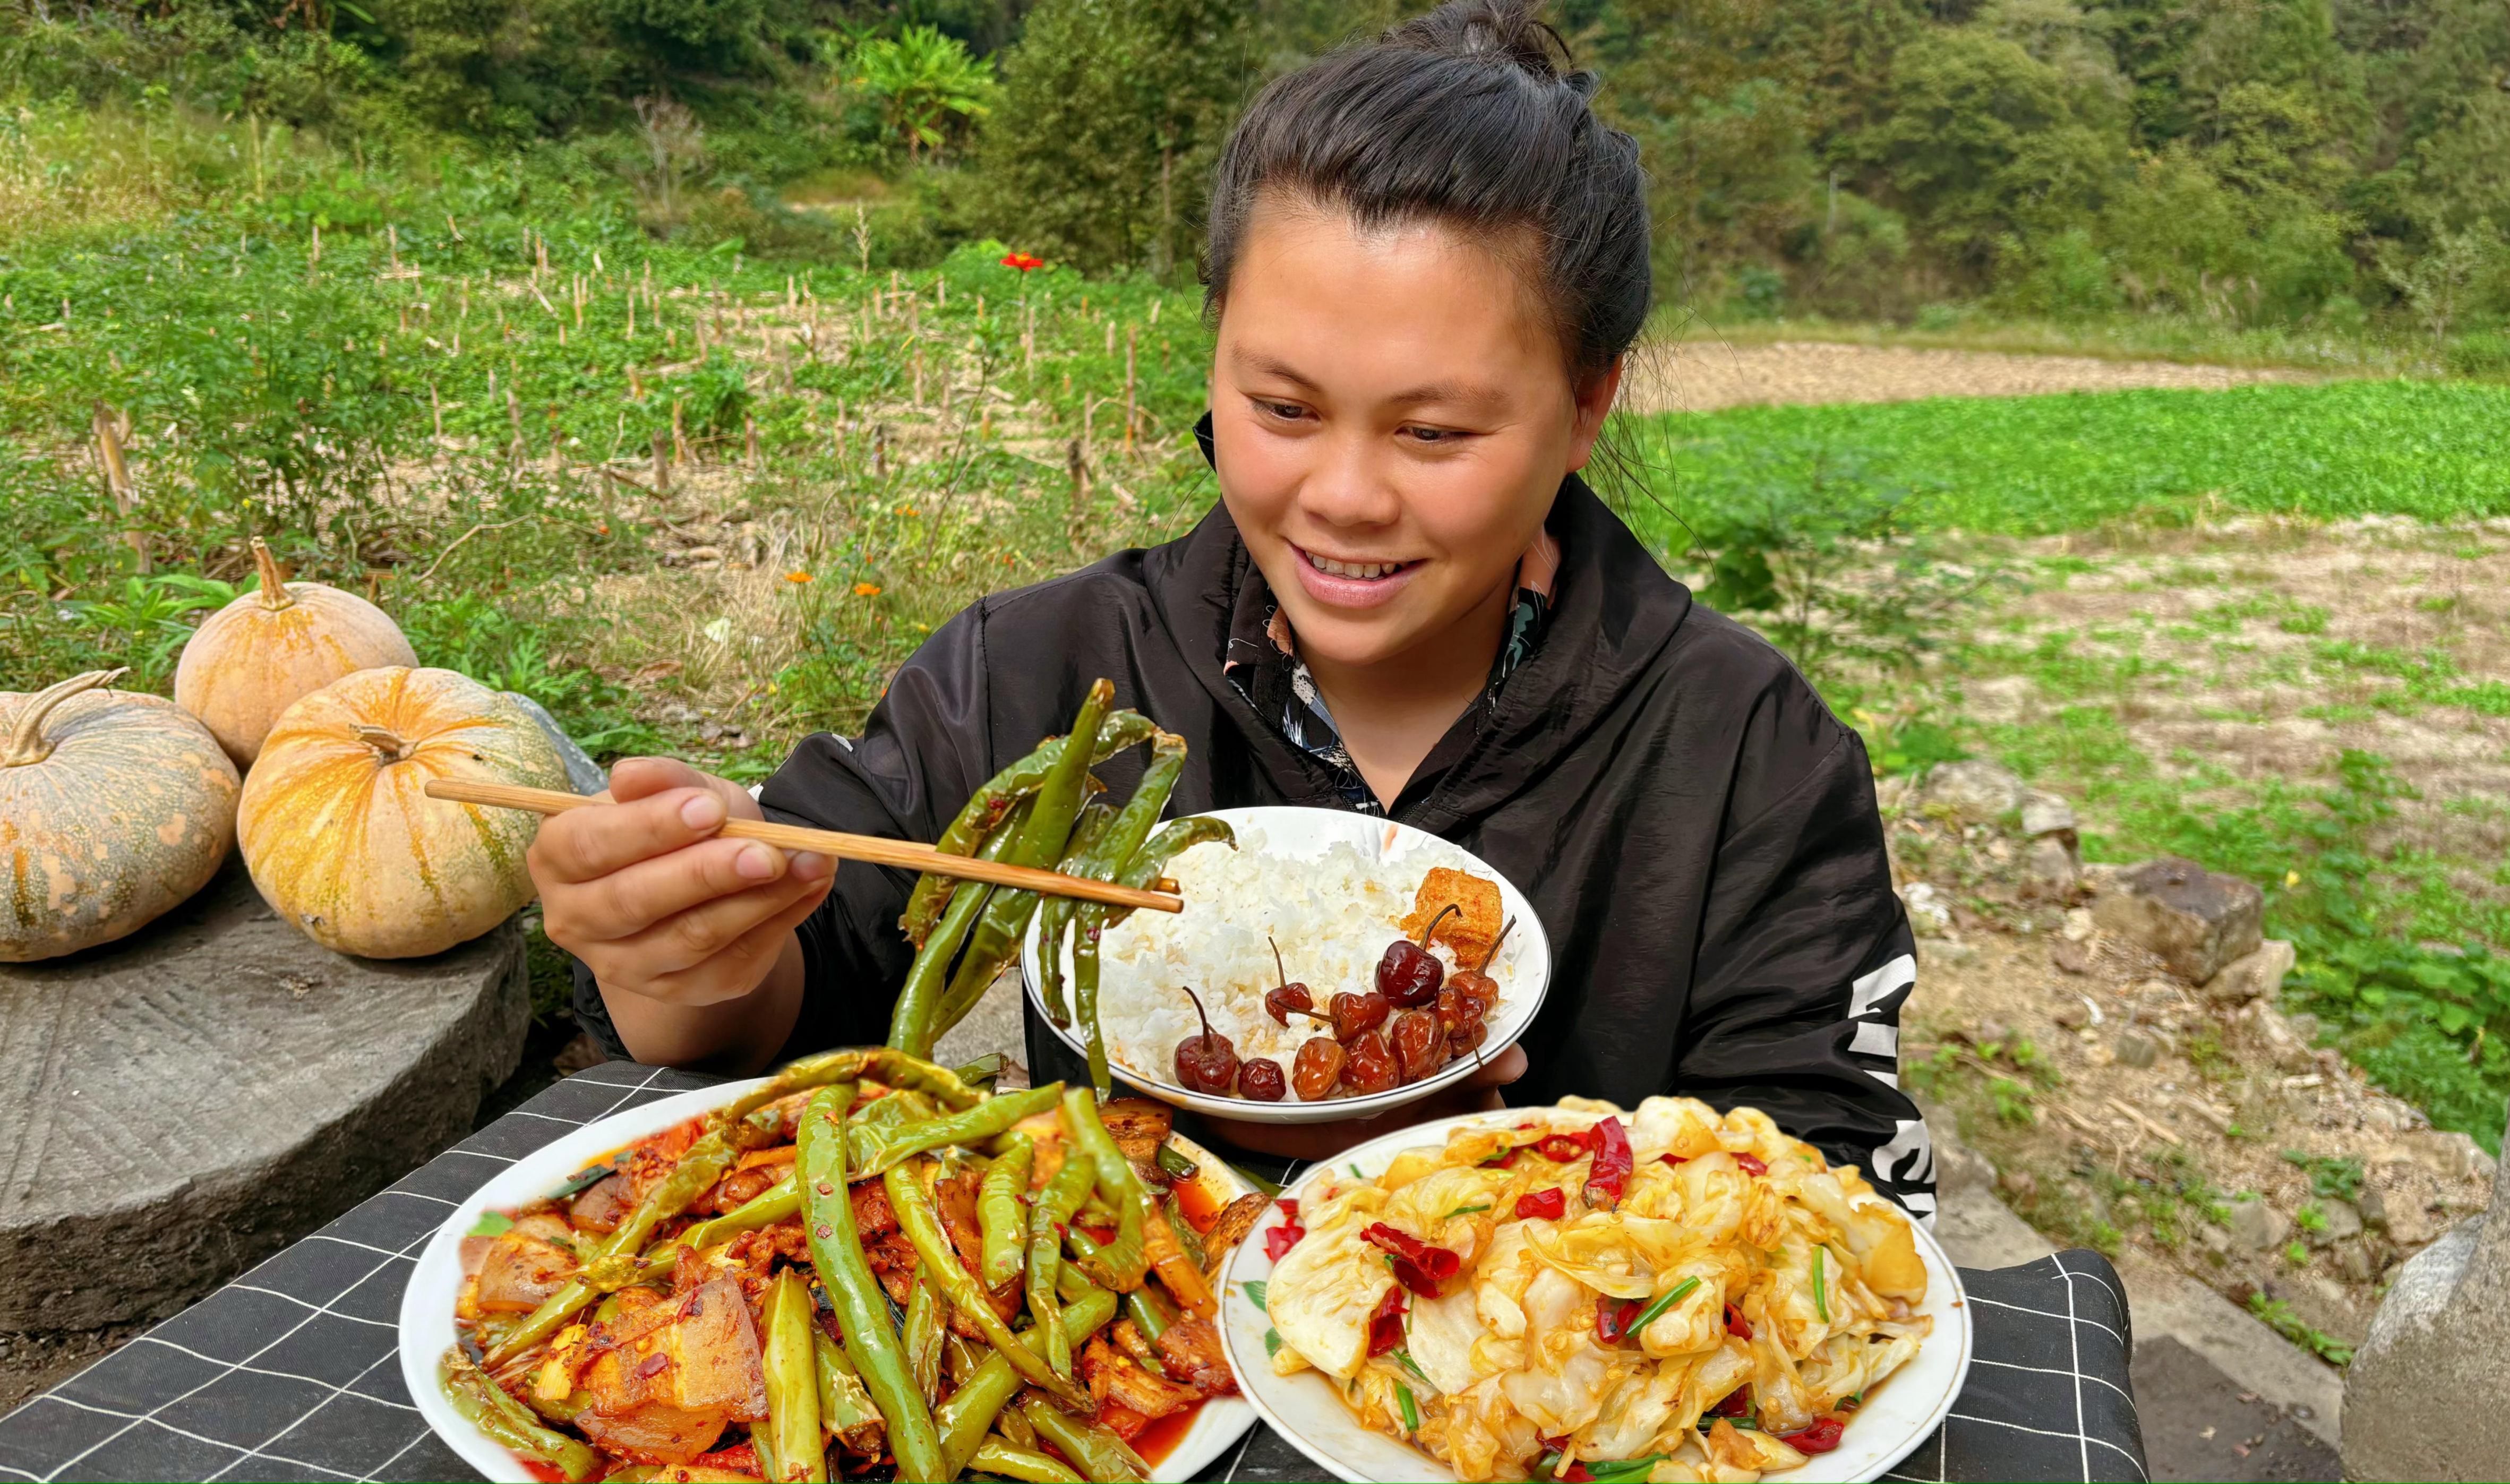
<point>675,921</point>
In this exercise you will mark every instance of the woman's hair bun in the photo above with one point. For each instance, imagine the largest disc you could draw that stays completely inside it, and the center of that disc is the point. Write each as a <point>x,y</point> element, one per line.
<point>1509,33</point>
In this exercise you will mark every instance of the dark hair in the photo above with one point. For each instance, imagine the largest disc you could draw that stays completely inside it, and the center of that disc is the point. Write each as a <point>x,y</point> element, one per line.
<point>1469,116</point>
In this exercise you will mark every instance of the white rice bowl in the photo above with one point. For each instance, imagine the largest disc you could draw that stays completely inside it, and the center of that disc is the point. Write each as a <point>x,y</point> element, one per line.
<point>1333,916</point>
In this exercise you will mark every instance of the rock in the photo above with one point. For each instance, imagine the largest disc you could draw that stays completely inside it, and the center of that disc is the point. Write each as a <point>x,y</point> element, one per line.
<point>186,1101</point>
<point>2344,1224</point>
<point>2020,1183</point>
<point>2446,1153</point>
<point>2256,975</point>
<point>2374,1207</point>
<point>2422,1399</point>
<point>2101,876</point>
<point>2353,1261</point>
<point>2135,1048</point>
<point>2194,921</point>
<point>2048,868</point>
<point>1976,791</point>
<point>2046,813</point>
<point>2304,1029</point>
<point>2259,1227</point>
<point>2073,1015</point>
<point>2071,956</point>
<point>1928,914</point>
<point>2265,1031</point>
<point>1950,952</point>
<point>2078,927</point>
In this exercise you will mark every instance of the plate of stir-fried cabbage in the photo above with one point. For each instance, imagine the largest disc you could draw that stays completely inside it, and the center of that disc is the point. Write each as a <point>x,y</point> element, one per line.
<point>824,1274</point>
<point>1580,1292</point>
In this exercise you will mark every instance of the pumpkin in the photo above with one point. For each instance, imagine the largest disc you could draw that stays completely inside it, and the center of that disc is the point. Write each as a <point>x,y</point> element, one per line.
<point>260,654</point>
<point>114,806</point>
<point>341,838</point>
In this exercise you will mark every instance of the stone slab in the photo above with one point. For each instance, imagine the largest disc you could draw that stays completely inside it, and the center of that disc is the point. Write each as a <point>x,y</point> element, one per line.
<point>176,1106</point>
<point>2199,1423</point>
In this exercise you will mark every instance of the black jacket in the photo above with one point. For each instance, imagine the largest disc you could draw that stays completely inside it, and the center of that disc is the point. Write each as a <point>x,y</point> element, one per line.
<point>1696,828</point>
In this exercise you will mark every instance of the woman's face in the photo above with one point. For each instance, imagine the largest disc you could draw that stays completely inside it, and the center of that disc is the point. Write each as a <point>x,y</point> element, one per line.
<point>1392,419</point>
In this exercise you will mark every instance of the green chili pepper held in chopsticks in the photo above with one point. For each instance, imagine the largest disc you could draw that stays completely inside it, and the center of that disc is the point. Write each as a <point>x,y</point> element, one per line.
<point>980,1399</point>
<point>845,1408</point>
<point>927,1324</point>
<point>887,1065</point>
<point>877,1151</point>
<point>1000,1216</point>
<point>993,802</point>
<point>792,1383</point>
<point>913,1025</point>
<point>916,1217</point>
<point>862,1309</point>
<point>1092,919</point>
<point>1049,1215</point>
<point>1023,1464</point>
<point>1054,914</point>
<point>1043,840</point>
<point>1120,1264</point>
<point>1101,1453</point>
<point>487,1407</point>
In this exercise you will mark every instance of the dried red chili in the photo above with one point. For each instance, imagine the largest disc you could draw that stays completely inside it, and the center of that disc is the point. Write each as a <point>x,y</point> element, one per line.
<point>1577,1475</point>
<point>1386,1325</point>
<point>1673,1159</point>
<point>1821,1437</point>
<point>1278,1241</point>
<point>1417,1265</point>
<point>1610,1171</point>
<point>1737,1404</point>
<point>1561,1148</point>
<point>1751,1165</point>
<point>1735,1324</point>
<point>1506,1159</point>
<point>1541,1205</point>
<point>1614,1318</point>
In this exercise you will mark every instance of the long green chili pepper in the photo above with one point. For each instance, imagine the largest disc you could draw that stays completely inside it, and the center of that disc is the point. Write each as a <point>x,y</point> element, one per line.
<point>862,1310</point>
<point>893,1110</point>
<point>792,1382</point>
<point>991,803</point>
<point>1054,913</point>
<point>768,1208</point>
<point>699,1170</point>
<point>1149,1312</point>
<point>914,1024</point>
<point>1014,1429</point>
<point>1048,1216</point>
<point>1041,844</point>
<point>844,1407</point>
<point>1099,1453</point>
<point>927,1324</point>
<point>922,1223</point>
<point>1104,858</point>
<point>1120,1264</point>
<point>489,1409</point>
<point>885,1065</point>
<point>981,1397</point>
<point>1092,919</point>
<point>1086,927</point>
<point>1000,1216</point>
<point>1023,1464</point>
<point>877,1151</point>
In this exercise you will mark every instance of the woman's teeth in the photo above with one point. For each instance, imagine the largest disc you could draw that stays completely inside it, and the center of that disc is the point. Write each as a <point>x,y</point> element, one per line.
<point>1365,571</point>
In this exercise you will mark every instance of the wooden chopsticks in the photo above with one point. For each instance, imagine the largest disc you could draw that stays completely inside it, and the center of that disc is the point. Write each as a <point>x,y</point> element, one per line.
<point>836,843</point>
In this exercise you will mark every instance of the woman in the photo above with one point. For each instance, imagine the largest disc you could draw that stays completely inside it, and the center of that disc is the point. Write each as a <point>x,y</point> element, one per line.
<point>1426,262</point>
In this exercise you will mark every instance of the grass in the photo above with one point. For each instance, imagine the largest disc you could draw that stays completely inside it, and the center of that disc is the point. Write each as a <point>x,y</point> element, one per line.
<point>2037,465</point>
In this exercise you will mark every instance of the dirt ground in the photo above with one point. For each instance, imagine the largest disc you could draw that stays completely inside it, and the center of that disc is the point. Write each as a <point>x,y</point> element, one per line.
<point>1702,375</point>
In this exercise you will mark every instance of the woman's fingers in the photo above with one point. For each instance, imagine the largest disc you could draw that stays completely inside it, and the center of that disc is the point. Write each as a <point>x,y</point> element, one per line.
<point>693,934</point>
<point>1499,1070</point>
<point>585,845</point>
<point>742,963</point>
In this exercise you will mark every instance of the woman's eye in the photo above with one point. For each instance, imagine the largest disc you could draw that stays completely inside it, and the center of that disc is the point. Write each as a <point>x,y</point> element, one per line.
<point>1287,411</point>
<point>1435,435</point>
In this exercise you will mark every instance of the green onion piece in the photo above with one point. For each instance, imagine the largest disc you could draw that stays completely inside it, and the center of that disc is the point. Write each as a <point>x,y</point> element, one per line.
<point>493,1224</point>
<point>1255,1292</point>
<point>1356,1174</point>
<point>1272,1343</point>
<point>1647,1316</point>
<point>1820,1293</point>
<point>1465,1210</point>
<point>1625,1468</point>
<point>1411,1411</point>
<point>1405,1356</point>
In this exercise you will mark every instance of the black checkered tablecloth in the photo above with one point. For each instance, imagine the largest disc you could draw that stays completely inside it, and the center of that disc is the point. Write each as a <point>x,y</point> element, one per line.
<point>291,1371</point>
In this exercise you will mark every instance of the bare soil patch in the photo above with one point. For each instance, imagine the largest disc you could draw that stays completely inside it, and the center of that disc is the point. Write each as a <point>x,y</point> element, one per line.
<point>1704,375</point>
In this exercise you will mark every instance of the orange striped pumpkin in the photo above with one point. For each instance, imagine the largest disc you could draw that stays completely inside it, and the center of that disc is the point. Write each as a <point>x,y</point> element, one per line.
<point>341,838</point>
<point>262,653</point>
<point>114,806</point>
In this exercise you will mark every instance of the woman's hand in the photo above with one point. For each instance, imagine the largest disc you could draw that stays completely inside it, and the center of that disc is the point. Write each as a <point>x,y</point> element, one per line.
<point>1476,1093</point>
<point>661,906</point>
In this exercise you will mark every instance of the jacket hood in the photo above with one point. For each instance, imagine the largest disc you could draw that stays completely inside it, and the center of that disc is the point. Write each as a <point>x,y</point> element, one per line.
<point>1614,611</point>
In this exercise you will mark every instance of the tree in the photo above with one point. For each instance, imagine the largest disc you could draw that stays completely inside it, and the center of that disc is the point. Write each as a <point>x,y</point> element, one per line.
<point>1111,119</point>
<point>924,82</point>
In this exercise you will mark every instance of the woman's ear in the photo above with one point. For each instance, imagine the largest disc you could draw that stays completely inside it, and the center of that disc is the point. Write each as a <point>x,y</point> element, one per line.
<point>1594,402</point>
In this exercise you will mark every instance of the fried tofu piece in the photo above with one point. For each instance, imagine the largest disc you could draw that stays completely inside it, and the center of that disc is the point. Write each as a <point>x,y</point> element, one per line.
<point>1472,928</point>
<point>664,1392</point>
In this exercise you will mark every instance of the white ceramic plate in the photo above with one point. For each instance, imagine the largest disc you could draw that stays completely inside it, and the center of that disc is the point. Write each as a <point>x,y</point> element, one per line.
<point>1896,1417</point>
<point>427,1305</point>
<point>1293,834</point>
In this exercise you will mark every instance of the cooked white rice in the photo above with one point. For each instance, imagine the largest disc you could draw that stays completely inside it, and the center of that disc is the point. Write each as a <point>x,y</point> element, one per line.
<point>1332,915</point>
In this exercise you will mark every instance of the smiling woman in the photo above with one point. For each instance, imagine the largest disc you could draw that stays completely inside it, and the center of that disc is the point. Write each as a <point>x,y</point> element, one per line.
<point>1427,259</point>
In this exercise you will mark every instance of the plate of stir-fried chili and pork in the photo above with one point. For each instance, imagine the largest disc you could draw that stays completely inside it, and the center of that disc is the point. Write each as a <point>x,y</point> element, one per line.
<point>733,1284</point>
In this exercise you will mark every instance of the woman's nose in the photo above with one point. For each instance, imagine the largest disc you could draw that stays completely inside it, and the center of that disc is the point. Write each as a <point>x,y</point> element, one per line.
<point>1349,486</point>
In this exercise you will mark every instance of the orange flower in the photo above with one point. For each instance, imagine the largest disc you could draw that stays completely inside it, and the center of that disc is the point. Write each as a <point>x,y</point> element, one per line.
<point>797,577</point>
<point>908,510</point>
<point>866,590</point>
<point>1022,261</point>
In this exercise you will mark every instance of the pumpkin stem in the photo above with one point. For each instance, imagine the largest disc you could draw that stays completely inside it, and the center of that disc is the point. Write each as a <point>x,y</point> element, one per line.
<point>384,739</point>
<point>26,743</point>
<point>274,587</point>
